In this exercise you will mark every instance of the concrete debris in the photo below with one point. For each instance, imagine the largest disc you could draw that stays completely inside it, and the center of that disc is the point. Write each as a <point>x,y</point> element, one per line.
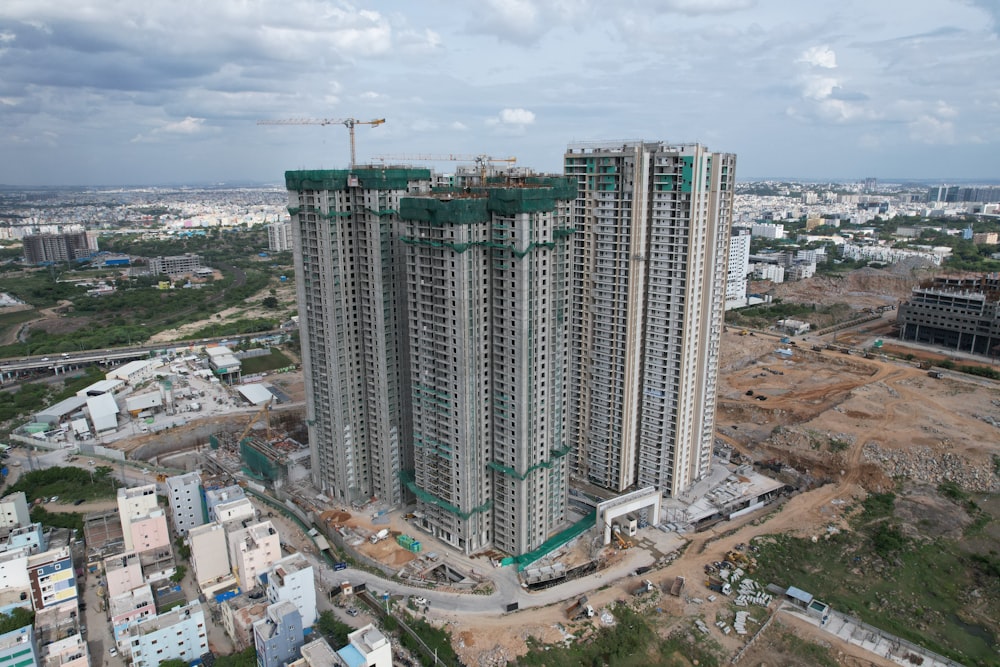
<point>930,466</point>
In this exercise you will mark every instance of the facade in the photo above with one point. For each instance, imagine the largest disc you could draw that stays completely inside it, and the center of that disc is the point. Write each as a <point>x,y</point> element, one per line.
<point>179,634</point>
<point>129,608</point>
<point>238,616</point>
<point>278,636</point>
<point>768,230</point>
<point>13,512</point>
<point>252,550</point>
<point>217,497</point>
<point>649,274</point>
<point>956,313</point>
<point>133,503</point>
<point>738,267</point>
<point>18,648</point>
<point>210,557</point>
<point>487,296</point>
<point>29,537</point>
<point>291,580</point>
<point>279,236</point>
<point>123,573</point>
<point>15,585</point>
<point>66,247</point>
<point>366,646</point>
<point>174,265</point>
<point>52,579</point>
<point>187,507</point>
<point>352,326</point>
<point>66,652</point>
<point>149,532</point>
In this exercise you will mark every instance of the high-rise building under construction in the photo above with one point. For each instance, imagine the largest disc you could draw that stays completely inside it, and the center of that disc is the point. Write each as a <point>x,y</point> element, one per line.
<point>649,272</point>
<point>434,330</point>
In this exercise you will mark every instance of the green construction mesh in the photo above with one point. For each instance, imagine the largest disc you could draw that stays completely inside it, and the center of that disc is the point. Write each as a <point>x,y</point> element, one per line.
<point>258,464</point>
<point>511,472</point>
<point>559,539</point>
<point>440,212</point>
<point>431,499</point>
<point>372,178</point>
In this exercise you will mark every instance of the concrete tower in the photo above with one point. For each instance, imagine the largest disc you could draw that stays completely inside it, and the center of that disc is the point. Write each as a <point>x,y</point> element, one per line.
<point>487,291</point>
<point>351,297</point>
<point>649,274</point>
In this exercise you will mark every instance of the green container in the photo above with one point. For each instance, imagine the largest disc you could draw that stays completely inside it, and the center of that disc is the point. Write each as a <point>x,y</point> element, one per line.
<point>415,547</point>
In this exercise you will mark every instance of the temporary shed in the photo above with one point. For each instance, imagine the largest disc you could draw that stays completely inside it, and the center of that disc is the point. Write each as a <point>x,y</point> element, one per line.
<point>255,394</point>
<point>101,387</point>
<point>56,413</point>
<point>136,404</point>
<point>103,412</point>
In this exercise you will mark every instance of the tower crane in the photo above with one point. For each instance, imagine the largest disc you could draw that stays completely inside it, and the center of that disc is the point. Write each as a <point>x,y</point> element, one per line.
<point>348,122</point>
<point>481,161</point>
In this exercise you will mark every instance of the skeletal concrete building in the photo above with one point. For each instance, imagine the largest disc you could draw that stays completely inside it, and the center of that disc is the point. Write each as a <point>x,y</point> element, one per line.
<point>649,275</point>
<point>351,296</point>
<point>487,307</point>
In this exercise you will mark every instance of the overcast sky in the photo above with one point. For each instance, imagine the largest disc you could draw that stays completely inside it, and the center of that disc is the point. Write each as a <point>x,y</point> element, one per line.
<point>170,91</point>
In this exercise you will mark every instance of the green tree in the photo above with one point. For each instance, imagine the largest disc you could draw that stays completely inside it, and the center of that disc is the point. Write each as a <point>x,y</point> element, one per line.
<point>333,630</point>
<point>269,302</point>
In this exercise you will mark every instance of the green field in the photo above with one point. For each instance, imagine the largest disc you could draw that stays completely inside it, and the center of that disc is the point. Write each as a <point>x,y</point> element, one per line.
<point>266,362</point>
<point>940,593</point>
<point>68,483</point>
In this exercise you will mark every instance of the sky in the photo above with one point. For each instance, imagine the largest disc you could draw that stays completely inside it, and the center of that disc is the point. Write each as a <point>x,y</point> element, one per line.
<point>109,92</point>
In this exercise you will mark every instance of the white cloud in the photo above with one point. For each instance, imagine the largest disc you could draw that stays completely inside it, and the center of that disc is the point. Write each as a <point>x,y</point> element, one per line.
<point>819,87</point>
<point>516,117</point>
<point>696,7</point>
<point>930,130</point>
<point>189,125</point>
<point>371,95</point>
<point>458,126</point>
<point>819,56</point>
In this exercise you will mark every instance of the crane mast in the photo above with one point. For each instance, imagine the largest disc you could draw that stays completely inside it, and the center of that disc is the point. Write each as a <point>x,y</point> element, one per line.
<point>349,123</point>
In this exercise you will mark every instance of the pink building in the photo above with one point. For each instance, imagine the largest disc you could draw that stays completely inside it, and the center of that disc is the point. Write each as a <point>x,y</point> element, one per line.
<point>150,531</point>
<point>128,609</point>
<point>123,573</point>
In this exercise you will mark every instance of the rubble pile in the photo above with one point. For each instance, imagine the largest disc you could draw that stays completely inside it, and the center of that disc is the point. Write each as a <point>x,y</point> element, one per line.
<point>924,464</point>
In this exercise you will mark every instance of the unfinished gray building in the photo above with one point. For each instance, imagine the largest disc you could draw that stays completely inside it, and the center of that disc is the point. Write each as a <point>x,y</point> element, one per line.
<point>961,314</point>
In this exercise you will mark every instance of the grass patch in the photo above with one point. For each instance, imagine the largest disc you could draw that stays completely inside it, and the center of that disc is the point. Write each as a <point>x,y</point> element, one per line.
<point>915,588</point>
<point>68,483</point>
<point>438,640</point>
<point>631,642</point>
<point>72,520</point>
<point>9,321</point>
<point>269,362</point>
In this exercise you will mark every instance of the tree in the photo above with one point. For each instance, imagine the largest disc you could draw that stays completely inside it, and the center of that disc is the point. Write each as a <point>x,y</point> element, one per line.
<point>270,302</point>
<point>334,631</point>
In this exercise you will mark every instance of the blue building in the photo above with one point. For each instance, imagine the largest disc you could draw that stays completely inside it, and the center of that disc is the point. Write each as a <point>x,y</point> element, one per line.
<point>278,636</point>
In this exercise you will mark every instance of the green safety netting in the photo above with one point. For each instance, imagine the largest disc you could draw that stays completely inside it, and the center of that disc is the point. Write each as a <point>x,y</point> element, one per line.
<point>372,178</point>
<point>459,211</point>
<point>559,539</point>
<point>430,498</point>
<point>258,464</point>
<point>511,472</point>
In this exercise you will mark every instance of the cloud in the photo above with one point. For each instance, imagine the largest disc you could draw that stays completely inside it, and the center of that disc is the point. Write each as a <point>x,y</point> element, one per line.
<point>699,7</point>
<point>458,126</point>
<point>930,130</point>
<point>189,125</point>
<point>819,56</point>
<point>516,117</point>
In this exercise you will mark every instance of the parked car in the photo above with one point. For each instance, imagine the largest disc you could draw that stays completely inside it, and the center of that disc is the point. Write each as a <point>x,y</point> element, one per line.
<point>79,501</point>
<point>339,566</point>
<point>419,601</point>
<point>53,499</point>
<point>351,611</point>
<point>112,651</point>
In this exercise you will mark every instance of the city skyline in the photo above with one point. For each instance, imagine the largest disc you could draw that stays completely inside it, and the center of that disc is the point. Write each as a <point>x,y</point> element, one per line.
<point>164,93</point>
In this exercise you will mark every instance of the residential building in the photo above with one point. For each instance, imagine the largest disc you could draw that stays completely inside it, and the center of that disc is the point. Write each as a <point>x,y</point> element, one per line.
<point>278,636</point>
<point>352,322</point>
<point>187,507</point>
<point>487,306</point>
<point>228,504</point>
<point>649,272</point>
<point>238,616</point>
<point>18,648</point>
<point>65,247</point>
<point>52,579</point>
<point>210,558</point>
<point>15,585</point>
<point>30,537</point>
<point>129,608</point>
<point>123,573</point>
<point>279,236</point>
<point>767,271</point>
<point>367,646</point>
<point>134,503</point>
<point>179,634</point>
<point>291,580</point>
<point>149,532</point>
<point>65,652</point>
<point>768,230</point>
<point>13,512</point>
<point>738,267</point>
<point>252,550</point>
<point>175,265</point>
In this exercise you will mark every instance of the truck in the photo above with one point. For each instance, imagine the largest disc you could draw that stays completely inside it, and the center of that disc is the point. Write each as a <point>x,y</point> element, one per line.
<point>579,609</point>
<point>935,374</point>
<point>645,587</point>
<point>379,536</point>
<point>677,586</point>
<point>718,585</point>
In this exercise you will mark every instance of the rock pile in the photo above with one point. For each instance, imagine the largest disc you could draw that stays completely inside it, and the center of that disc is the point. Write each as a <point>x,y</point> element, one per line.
<point>924,464</point>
